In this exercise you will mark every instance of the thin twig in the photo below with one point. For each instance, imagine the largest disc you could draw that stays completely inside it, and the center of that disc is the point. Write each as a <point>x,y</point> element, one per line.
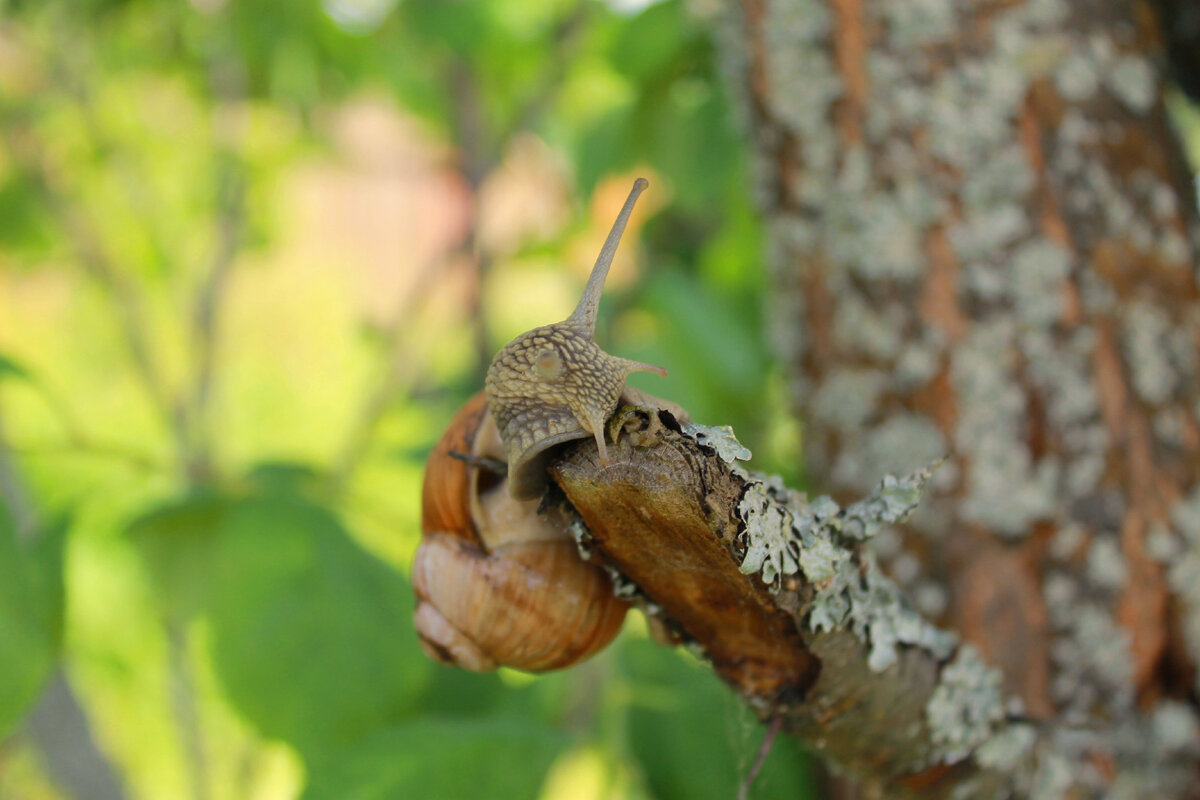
<point>763,751</point>
<point>395,372</point>
<point>229,222</point>
<point>30,160</point>
<point>482,151</point>
<point>183,705</point>
<point>87,447</point>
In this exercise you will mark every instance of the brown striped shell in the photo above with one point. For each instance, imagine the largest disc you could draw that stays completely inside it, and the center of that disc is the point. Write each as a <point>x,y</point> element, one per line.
<point>497,583</point>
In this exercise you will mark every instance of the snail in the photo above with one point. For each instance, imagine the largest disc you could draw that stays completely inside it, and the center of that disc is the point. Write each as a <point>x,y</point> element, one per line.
<point>497,582</point>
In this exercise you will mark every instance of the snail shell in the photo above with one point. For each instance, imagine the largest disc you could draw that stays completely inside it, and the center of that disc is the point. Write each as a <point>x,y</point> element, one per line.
<point>496,582</point>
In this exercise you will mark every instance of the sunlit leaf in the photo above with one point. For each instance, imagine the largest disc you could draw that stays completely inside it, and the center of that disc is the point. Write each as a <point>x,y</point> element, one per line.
<point>24,223</point>
<point>13,369</point>
<point>312,635</point>
<point>649,42</point>
<point>692,739</point>
<point>436,759</point>
<point>31,596</point>
<point>177,541</point>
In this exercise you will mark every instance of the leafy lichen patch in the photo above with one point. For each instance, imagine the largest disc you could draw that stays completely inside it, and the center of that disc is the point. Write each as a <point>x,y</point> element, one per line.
<point>721,439</point>
<point>966,707</point>
<point>786,534</point>
<point>1184,571</point>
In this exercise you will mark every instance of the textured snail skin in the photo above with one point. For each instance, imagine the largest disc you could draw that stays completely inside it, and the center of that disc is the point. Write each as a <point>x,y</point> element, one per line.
<point>496,582</point>
<point>534,414</point>
<point>554,384</point>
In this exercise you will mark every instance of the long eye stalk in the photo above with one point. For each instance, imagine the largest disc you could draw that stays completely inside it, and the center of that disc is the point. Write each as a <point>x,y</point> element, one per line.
<point>584,316</point>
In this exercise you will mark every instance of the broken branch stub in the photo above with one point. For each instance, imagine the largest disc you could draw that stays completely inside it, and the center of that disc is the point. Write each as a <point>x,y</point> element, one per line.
<point>665,518</point>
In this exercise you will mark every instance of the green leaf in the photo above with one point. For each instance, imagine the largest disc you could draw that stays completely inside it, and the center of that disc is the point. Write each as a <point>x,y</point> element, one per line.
<point>692,739</point>
<point>650,43</point>
<point>715,351</point>
<point>289,477</point>
<point>177,542</point>
<point>24,224</point>
<point>313,636</point>
<point>13,369</point>
<point>31,600</point>
<point>436,759</point>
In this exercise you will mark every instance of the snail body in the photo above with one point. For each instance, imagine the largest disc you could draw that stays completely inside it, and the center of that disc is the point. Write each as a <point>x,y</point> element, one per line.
<point>498,583</point>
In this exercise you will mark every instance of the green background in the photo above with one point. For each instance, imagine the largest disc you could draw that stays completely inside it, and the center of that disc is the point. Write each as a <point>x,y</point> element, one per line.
<point>252,257</point>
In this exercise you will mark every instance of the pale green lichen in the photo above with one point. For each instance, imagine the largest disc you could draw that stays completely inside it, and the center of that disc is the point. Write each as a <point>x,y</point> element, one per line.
<point>1006,749</point>
<point>1184,570</point>
<point>1006,489</point>
<point>1092,659</point>
<point>966,707</point>
<point>881,617</point>
<point>848,398</point>
<point>622,586</point>
<point>918,364</point>
<point>1175,726</point>
<point>785,534</point>
<point>1038,272</point>
<point>854,593</point>
<point>721,439</point>
<point>860,326</point>
<point>903,442</point>
<point>771,549</point>
<point>1076,78</point>
<point>919,22</point>
<point>1011,279</point>
<point>1152,347</point>
<point>801,75</point>
<point>891,503</point>
<point>1135,82</point>
<point>1105,565</point>
<point>1053,777</point>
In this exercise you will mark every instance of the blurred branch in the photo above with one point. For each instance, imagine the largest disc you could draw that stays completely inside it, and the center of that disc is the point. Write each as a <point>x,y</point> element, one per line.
<point>69,76</point>
<point>479,157</point>
<point>183,705</point>
<point>564,40</point>
<point>60,730</point>
<point>32,162</point>
<point>482,151</point>
<point>231,194</point>
<point>228,83</point>
<point>393,372</point>
<point>80,445</point>
<point>13,493</point>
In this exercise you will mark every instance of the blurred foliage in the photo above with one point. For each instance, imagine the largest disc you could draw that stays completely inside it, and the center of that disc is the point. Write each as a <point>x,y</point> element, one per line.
<point>30,614</point>
<point>251,259</point>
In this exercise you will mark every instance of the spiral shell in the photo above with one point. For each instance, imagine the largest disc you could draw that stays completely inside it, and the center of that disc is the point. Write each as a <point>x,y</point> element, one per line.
<point>496,582</point>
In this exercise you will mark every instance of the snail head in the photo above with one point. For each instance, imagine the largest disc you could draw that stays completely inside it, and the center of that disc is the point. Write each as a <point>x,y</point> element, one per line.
<point>554,384</point>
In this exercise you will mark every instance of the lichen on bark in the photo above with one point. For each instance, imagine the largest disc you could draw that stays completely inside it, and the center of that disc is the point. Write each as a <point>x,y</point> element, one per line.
<point>983,239</point>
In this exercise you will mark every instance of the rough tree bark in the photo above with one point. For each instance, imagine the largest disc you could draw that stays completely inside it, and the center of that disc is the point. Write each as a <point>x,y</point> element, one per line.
<point>984,240</point>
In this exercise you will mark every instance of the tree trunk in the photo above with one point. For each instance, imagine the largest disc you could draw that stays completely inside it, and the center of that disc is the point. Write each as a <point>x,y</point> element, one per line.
<point>983,239</point>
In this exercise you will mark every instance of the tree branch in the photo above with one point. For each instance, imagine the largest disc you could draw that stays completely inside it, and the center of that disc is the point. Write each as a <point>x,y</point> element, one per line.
<point>783,596</point>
